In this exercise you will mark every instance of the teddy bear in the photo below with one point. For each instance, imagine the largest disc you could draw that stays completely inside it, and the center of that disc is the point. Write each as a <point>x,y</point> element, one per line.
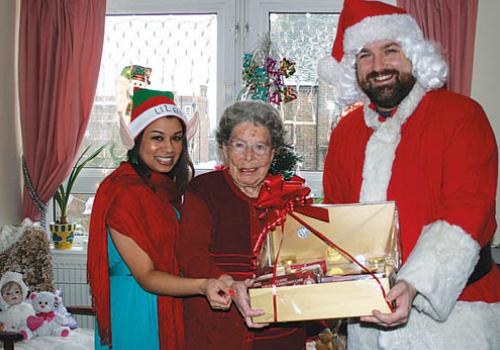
<point>14,310</point>
<point>46,321</point>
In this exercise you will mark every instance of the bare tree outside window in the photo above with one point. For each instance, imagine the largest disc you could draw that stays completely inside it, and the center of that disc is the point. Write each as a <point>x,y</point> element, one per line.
<point>305,38</point>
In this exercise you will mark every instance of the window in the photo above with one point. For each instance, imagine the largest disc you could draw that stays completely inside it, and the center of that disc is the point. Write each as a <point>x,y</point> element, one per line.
<point>195,49</point>
<point>180,50</point>
<point>305,38</point>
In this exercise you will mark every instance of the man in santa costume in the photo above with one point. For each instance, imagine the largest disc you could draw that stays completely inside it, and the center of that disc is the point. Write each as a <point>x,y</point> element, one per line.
<point>431,151</point>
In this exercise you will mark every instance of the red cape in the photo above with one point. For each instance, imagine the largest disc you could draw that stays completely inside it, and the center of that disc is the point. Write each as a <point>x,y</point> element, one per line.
<point>144,213</point>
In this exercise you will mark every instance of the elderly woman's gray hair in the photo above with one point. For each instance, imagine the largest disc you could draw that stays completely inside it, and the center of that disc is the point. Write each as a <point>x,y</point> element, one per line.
<point>256,112</point>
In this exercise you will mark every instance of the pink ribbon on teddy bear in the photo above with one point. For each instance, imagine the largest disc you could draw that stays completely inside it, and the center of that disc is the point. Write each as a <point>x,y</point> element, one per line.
<point>35,322</point>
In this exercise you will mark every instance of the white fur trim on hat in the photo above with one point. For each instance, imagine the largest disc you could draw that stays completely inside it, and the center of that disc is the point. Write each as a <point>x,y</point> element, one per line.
<point>152,114</point>
<point>396,27</point>
<point>129,132</point>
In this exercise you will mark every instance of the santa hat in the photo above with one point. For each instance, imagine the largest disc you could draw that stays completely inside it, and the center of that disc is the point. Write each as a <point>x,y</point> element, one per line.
<point>363,22</point>
<point>148,106</point>
<point>15,277</point>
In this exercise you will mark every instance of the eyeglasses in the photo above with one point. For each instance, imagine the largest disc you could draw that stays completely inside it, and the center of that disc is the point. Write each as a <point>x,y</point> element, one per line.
<point>259,148</point>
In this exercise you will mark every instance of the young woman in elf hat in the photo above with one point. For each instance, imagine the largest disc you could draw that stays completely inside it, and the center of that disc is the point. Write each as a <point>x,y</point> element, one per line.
<point>133,272</point>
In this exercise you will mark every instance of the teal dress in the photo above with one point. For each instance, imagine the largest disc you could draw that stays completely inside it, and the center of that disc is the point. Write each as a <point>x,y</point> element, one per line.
<point>134,311</point>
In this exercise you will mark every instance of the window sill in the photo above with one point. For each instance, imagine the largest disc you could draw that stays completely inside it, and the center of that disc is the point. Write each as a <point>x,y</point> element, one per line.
<point>72,251</point>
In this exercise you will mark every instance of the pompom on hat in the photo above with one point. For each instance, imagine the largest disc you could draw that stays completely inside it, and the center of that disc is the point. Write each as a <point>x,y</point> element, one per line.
<point>363,22</point>
<point>148,106</point>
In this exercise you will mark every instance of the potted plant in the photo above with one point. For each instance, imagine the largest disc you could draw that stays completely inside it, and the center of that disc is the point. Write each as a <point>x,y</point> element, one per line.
<point>62,230</point>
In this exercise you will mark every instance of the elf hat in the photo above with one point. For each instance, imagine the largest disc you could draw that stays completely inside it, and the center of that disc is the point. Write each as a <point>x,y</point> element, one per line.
<point>15,277</point>
<point>148,106</point>
<point>363,22</point>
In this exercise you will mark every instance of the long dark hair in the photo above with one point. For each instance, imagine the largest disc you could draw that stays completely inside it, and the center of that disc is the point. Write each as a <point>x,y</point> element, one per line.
<point>181,173</point>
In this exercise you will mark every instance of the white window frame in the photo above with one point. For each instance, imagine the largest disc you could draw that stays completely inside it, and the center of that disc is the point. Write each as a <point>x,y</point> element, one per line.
<point>261,10</point>
<point>188,110</point>
<point>227,65</point>
<point>227,33</point>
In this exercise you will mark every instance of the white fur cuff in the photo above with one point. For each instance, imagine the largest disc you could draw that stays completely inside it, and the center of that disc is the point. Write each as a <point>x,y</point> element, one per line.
<point>439,266</point>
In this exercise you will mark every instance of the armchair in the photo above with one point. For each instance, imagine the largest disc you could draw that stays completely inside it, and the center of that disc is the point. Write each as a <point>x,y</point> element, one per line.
<point>25,249</point>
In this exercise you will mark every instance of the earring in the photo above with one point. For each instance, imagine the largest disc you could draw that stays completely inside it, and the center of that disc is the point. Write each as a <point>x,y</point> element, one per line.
<point>134,160</point>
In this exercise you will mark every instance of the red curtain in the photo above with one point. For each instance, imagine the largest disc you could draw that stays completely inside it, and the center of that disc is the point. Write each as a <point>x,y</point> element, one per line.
<point>452,23</point>
<point>60,47</point>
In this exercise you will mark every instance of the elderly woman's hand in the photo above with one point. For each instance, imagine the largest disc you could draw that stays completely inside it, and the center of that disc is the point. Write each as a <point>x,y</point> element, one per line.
<point>242,302</point>
<point>217,292</point>
<point>402,293</point>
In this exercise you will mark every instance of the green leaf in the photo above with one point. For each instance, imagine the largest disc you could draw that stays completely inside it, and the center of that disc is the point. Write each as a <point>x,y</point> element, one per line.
<point>63,194</point>
<point>79,165</point>
<point>285,162</point>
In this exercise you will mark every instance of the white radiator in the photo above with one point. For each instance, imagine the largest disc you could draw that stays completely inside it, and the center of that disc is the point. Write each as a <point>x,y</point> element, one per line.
<point>70,276</point>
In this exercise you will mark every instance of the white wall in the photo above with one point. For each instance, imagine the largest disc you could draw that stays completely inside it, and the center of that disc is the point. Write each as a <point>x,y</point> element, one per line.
<point>10,173</point>
<point>486,74</point>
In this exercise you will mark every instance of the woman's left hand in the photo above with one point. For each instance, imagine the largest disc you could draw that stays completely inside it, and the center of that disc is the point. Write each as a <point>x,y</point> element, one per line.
<point>242,302</point>
<point>402,293</point>
<point>218,293</point>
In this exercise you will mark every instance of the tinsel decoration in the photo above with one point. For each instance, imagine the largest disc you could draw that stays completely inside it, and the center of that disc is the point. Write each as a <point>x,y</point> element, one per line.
<point>264,79</point>
<point>264,76</point>
<point>285,162</point>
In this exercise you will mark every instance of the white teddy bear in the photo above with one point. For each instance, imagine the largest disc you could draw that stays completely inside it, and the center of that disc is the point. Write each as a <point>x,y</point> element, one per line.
<point>46,321</point>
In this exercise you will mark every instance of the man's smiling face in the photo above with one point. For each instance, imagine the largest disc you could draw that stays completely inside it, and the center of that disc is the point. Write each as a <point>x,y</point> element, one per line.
<point>384,73</point>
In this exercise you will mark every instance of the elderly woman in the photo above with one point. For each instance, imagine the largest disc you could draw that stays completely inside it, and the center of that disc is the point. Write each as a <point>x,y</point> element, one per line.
<point>220,225</point>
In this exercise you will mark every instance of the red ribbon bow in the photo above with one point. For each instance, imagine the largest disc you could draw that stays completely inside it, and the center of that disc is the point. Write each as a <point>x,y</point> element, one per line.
<point>278,197</point>
<point>47,316</point>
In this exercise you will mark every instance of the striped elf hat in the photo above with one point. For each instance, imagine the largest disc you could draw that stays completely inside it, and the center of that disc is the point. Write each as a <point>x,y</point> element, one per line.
<point>148,106</point>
